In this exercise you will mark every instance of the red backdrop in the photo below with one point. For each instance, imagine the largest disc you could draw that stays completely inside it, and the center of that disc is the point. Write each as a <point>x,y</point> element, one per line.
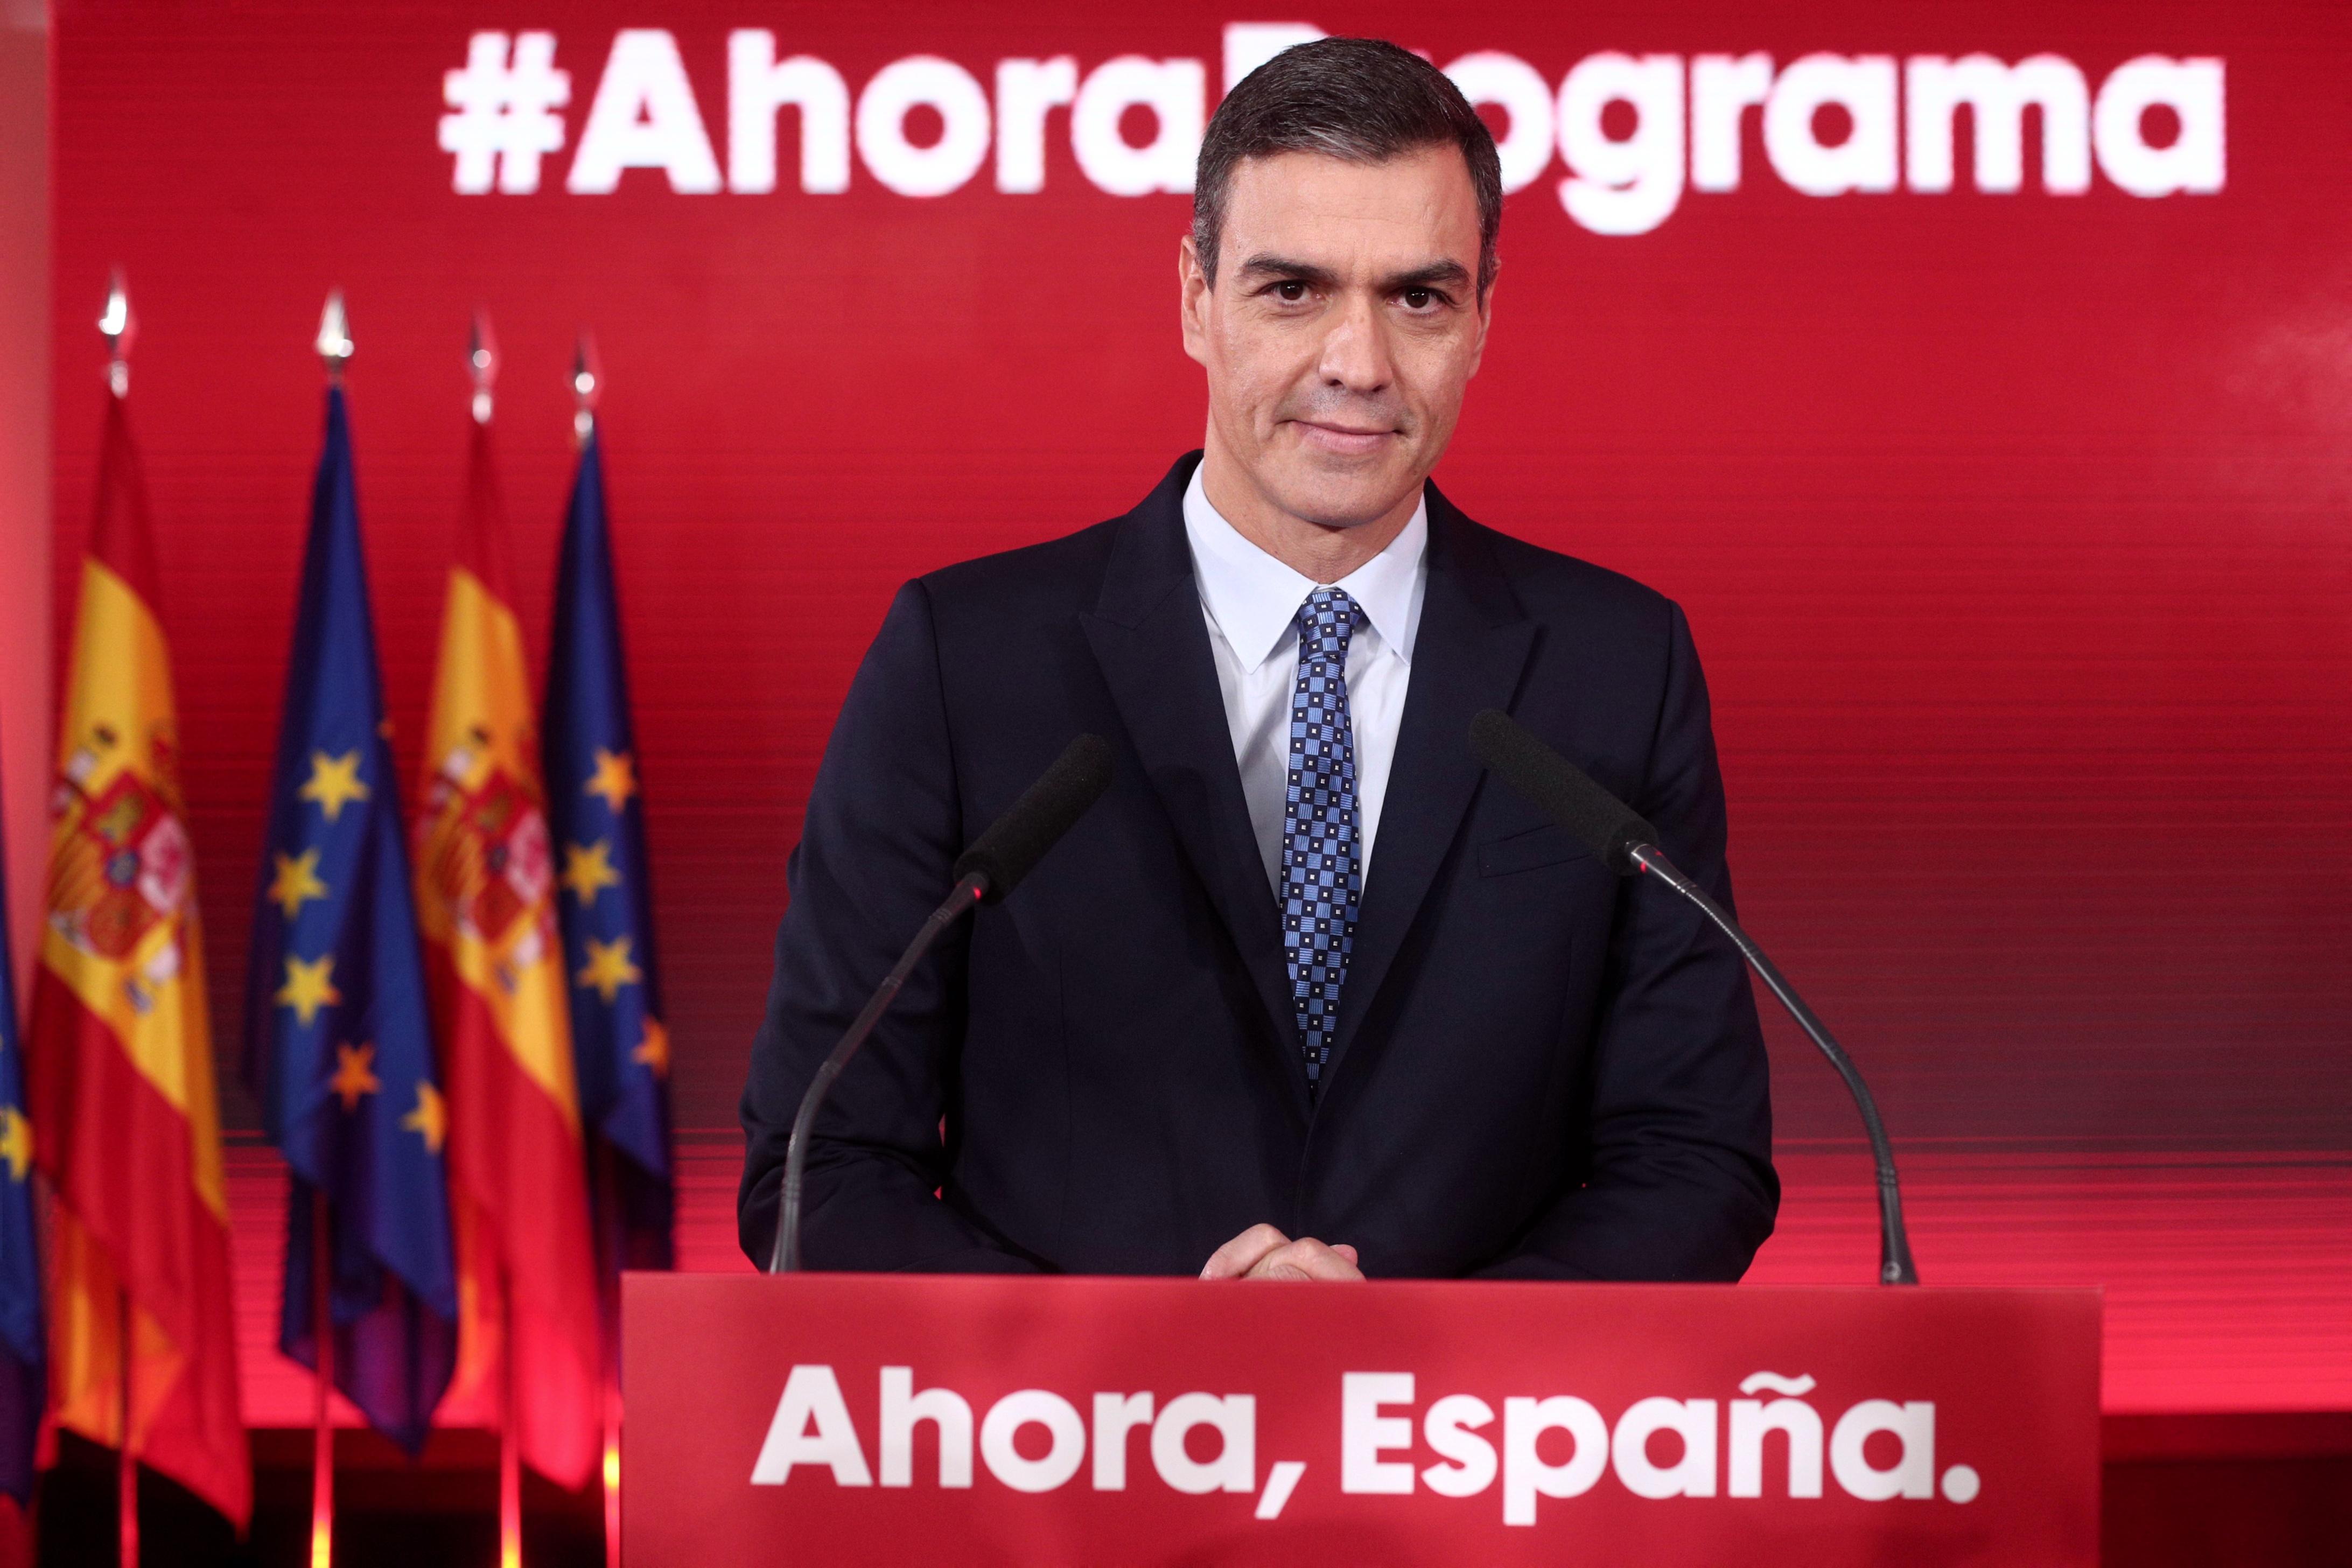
<point>2012,527</point>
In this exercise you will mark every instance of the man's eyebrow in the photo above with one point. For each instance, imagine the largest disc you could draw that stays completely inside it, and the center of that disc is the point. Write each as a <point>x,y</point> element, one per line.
<point>1435,274</point>
<point>1432,274</point>
<point>1265,265</point>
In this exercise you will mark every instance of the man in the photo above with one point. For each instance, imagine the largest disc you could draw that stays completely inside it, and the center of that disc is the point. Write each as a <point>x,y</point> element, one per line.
<point>1304,994</point>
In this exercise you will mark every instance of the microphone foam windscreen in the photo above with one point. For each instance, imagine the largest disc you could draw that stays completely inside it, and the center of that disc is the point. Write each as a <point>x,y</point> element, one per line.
<point>1017,840</point>
<point>1560,789</point>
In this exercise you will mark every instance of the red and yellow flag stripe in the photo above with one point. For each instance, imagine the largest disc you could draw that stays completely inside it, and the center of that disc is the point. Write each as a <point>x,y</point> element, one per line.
<point>125,1121</point>
<point>485,898</point>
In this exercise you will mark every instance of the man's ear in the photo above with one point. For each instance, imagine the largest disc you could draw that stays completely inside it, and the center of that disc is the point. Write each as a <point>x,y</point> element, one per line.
<point>1192,298</point>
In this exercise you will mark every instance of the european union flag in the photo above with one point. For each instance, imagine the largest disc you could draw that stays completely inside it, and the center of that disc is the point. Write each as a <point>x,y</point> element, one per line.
<point>337,1039</point>
<point>23,1361</point>
<point>620,1048</point>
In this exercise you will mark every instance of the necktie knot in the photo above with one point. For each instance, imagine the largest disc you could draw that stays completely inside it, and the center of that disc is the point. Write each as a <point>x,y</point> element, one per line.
<point>1327,619</point>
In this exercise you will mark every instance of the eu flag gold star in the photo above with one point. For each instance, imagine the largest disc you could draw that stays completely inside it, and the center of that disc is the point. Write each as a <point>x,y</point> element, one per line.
<point>334,782</point>
<point>653,1049</point>
<point>431,1117</point>
<point>608,967</point>
<point>15,1141</point>
<point>588,867</point>
<point>298,883</point>
<point>309,987</point>
<point>615,778</point>
<point>354,1074</point>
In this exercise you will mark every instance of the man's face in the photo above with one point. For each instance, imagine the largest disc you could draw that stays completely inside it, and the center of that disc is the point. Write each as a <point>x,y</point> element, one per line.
<point>1342,329</point>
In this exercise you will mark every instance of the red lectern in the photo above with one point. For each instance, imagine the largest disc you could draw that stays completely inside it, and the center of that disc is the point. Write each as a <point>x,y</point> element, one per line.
<point>894,1419</point>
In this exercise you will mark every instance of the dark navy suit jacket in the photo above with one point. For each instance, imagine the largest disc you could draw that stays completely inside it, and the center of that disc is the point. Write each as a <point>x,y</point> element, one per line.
<point>1540,1070</point>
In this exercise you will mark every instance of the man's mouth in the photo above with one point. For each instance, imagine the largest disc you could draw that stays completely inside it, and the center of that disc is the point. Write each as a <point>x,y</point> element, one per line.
<point>1342,440</point>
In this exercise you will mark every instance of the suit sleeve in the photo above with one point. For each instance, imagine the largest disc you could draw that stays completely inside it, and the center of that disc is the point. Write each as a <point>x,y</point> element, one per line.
<point>1680,1183</point>
<point>883,830</point>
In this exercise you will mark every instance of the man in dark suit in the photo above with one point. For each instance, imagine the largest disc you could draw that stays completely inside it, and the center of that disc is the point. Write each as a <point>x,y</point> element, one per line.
<point>1304,994</point>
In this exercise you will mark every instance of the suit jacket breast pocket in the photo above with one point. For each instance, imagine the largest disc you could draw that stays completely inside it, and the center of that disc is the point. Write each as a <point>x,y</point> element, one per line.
<point>1548,844</point>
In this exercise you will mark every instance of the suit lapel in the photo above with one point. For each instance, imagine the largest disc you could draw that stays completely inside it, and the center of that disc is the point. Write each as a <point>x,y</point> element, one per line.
<point>1469,651</point>
<point>1152,645</point>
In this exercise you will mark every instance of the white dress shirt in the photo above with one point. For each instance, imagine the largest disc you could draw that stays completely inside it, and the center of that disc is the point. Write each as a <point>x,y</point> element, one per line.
<point>1251,601</point>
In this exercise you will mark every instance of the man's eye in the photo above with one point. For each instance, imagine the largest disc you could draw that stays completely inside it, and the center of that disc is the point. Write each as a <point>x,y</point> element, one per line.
<point>1417,298</point>
<point>1290,291</point>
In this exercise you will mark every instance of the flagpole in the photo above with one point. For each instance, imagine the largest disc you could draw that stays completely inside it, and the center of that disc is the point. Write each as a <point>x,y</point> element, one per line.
<point>482,367</point>
<point>510,1452</point>
<point>127,1462</point>
<point>117,327</point>
<point>608,1202</point>
<point>587,386</point>
<point>322,1431</point>
<point>334,347</point>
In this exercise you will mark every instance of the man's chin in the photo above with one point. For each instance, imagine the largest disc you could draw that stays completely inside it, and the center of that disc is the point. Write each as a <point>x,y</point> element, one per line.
<point>1343,496</point>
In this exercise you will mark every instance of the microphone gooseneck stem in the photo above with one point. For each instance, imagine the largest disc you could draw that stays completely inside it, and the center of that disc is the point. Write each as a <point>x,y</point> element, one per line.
<point>1895,1266</point>
<point>786,1258</point>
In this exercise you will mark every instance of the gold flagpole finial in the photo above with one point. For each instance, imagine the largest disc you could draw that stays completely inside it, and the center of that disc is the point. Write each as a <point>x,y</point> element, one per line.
<point>482,364</point>
<point>334,341</point>
<point>587,387</point>
<point>118,327</point>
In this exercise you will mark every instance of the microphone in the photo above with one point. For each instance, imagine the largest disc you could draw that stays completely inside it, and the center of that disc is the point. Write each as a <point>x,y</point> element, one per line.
<point>1561,790</point>
<point>995,865</point>
<point>1017,840</point>
<point>1629,846</point>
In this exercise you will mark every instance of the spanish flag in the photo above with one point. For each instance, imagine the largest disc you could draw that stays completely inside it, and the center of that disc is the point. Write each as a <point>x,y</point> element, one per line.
<point>485,898</point>
<point>124,1122</point>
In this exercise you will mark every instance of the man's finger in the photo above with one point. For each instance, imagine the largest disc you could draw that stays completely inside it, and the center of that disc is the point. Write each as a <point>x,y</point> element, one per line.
<point>1306,1258</point>
<point>1348,1252</point>
<point>1239,1256</point>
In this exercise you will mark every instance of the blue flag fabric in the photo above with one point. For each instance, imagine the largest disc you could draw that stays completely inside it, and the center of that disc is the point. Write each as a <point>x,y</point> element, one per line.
<point>620,1047</point>
<point>24,1359</point>
<point>337,1038</point>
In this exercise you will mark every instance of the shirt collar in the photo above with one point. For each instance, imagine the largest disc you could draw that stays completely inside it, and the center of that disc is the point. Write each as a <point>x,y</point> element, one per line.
<point>1255,598</point>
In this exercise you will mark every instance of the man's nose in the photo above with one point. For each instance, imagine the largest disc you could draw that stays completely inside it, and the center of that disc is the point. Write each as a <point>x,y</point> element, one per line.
<point>1356,348</point>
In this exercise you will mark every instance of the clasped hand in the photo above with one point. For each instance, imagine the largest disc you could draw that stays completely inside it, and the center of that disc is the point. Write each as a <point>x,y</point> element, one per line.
<point>1262,1252</point>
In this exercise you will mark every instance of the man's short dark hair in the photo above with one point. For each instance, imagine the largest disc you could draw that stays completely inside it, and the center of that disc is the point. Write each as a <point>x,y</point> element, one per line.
<point>1357,99</point>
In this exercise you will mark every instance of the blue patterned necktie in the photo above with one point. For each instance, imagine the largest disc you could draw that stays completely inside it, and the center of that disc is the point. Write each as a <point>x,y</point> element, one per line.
<point>1322,868</point>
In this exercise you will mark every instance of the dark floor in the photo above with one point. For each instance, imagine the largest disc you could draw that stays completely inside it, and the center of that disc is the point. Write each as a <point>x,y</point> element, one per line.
<point>2262,1491</point>
<point>441,1510</point>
